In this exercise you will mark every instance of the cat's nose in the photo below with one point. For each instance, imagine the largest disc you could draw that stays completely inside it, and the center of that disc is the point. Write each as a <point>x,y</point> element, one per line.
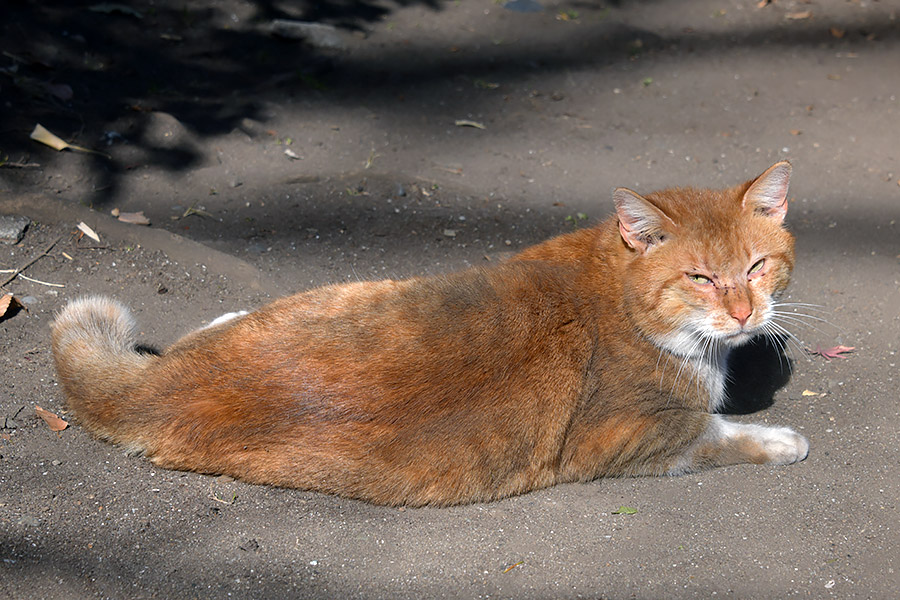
<point>741,313</point>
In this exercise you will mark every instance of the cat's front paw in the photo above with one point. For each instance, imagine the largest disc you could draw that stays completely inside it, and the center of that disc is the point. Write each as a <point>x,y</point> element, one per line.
<point>783,446</point>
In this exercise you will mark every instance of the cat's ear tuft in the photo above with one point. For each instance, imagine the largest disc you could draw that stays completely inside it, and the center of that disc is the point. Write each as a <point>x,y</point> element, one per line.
<point>768,192</point>
<point>641,224</point>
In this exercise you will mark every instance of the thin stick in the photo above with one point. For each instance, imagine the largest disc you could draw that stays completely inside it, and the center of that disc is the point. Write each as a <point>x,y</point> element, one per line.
<point>32,280</point>
<point>30,262</point>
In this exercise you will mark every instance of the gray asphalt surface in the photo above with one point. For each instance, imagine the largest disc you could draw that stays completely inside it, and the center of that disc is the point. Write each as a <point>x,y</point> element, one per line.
<point>567,103</point>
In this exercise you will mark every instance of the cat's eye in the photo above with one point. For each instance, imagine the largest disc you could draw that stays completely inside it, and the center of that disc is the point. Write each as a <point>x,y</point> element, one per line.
<point>757,266</point>
<point>698,278</point>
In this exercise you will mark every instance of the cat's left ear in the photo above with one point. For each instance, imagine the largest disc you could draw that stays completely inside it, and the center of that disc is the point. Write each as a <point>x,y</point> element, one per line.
<point>768,192</point>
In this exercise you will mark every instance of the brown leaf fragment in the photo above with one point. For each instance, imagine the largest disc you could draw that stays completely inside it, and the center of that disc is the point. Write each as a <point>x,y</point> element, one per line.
<point>9,304</point>
<point>4,303</point>
<point>135,218</point>
<point>53,421</point>
<point>837,32</point>
<point>799,15</point>
<point>833,352</point>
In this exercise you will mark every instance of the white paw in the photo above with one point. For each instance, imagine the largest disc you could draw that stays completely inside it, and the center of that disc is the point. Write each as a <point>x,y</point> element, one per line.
<point>782,444</point>
<point>225,318</point>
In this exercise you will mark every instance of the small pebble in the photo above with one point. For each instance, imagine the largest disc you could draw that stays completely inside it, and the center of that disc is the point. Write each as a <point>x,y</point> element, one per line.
<point>28,521</point>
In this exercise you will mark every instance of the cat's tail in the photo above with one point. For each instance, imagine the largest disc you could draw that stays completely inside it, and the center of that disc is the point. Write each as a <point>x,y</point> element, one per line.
<point>98,365</point>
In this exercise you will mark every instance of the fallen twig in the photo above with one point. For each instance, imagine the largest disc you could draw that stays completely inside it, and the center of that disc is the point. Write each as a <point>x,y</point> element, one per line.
<point>38,281</point>
<point>19,165</point>
<point>30,262</point>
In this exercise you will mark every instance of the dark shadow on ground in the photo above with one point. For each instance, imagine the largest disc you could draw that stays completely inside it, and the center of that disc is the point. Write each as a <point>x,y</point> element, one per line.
<point>97,76</point>
<point>757,371</point>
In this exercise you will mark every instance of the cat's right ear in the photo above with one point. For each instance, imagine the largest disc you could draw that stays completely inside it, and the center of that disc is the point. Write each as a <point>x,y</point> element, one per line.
<point>640,223</point>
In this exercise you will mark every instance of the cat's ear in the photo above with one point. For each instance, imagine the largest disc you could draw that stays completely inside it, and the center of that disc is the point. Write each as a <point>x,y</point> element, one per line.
<point>768,192</point>
<point>641,224</point>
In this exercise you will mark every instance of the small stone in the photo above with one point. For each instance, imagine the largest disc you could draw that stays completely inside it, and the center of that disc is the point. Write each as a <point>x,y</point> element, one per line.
<point>56,463</point>
<point>28,521</point>
<point>12,228</point>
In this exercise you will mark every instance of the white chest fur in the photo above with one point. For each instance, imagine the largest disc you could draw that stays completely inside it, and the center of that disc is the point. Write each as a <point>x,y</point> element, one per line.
<point>712,370</point>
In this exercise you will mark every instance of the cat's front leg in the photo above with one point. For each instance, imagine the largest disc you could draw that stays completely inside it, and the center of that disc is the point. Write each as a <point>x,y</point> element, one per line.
<point>728,443</point>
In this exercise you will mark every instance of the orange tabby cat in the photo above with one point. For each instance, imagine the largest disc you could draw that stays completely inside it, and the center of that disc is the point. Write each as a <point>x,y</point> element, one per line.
<point>601,352</point>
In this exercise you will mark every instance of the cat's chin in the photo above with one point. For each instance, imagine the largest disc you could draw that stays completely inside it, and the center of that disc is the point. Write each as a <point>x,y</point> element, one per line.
<point>738,339</point>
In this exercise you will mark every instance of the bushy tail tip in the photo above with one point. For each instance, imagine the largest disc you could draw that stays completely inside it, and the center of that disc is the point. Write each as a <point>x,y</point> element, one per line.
<point>93,320</point>
<point>96,361</point>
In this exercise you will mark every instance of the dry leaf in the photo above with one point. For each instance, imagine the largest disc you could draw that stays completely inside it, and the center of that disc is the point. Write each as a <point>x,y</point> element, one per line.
<point>796,16</point>
<point>837,32</point>
<point>40,134</point>
<point>88,231</point>
<point>135,218</point>
<point>54,422</point>
<point>8,302</point>
<point>812,393</point>
<point>795,132</point>
<point>833,352</point>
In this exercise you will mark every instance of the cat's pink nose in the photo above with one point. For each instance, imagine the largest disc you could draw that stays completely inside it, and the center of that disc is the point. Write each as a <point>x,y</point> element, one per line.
<point>741,314</point>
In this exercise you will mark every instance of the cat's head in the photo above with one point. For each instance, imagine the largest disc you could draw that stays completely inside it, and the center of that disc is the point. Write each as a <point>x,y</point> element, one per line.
<point>705,266</point>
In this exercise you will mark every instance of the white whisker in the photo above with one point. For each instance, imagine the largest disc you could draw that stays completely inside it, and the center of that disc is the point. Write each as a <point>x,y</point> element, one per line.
<point>794,321</point>
<point>788,337</point>
<point>778,340</point>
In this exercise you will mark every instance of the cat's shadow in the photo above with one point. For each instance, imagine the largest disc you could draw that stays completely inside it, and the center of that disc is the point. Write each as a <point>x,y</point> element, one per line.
<point>756,371</point>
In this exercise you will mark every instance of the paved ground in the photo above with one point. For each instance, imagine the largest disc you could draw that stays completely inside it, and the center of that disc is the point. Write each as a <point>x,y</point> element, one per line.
<point>196,104</point>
